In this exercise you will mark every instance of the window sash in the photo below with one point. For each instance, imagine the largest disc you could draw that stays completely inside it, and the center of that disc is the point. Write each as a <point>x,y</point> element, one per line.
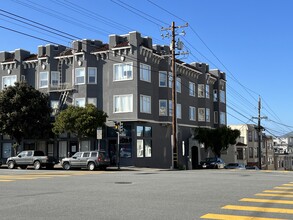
<point>139,148</point>
<point>145,104</point>
<point>191,89</point>
<point>163,79</point>
<point>43,81</point>
<point>92,75</point>
<point>79,76</point>
<point>178,85</point>
<point>163,108</point>
<point>208,118</point>
<point>8,81</point>
<point>145,72</point>
<point>55,78</point>
<point>122,71</point>
<point>79,102</point>
<point>201,91</point>
<point>192,114</point>
<point>123,103</point>
<point>222,96</point>
<point>201,114</point>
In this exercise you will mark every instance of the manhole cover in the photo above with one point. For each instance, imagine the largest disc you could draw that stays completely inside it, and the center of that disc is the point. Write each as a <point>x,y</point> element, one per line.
<point>123,182</point>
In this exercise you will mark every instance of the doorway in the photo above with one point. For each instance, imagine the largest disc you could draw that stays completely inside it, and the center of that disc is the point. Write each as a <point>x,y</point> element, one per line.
<point>194,151</point>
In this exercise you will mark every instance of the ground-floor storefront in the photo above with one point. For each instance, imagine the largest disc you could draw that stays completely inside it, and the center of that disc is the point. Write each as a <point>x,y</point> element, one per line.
<point>141,144</point>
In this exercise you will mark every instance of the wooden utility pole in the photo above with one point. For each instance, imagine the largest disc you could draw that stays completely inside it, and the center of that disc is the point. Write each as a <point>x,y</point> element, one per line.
<point>174,101</point>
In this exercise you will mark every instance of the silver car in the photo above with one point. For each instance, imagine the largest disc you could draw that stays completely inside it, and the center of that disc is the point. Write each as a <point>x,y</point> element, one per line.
<point>87,159</point>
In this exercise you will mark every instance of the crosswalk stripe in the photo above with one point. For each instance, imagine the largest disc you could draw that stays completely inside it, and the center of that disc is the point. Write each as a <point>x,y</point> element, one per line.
<point>258,209</point>
<point>278,191</point>
<point>283,188</point>
<point>7,180</point>
<point>271,194</point>
<point>287,184</point>
<point>238,217</point>
<point>287,202</point>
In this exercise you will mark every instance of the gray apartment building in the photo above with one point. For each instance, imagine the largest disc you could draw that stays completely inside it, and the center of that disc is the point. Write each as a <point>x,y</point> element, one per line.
<point>130,79</point>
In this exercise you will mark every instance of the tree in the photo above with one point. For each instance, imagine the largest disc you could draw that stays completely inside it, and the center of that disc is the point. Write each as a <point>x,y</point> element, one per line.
<point>216,139</point>
<point>81,121</point>
<point>24,113</point>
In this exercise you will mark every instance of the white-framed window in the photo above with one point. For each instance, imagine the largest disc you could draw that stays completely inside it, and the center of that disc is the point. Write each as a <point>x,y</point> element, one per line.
<point>201,90</point>
<point>123,103</point>
<point>122,71</point>
<point>163,107</point>
<point>43,79</point>
<point>145,72</point>
<point>178,111</point>
<point>201,114</point>
<point>8,80</point>
<point>139,148</point>
<point>192,113</point>
<point>208,117</point>
<point>215,93</point>
<point>145,104</point>
<point>92,75</point>
<point>54,104</point>
<point>178,85</point>
<point>80,102</point>
<point>222,118</point>
<point>207,91</point>
<point>79,77</point>
<point>55,78</point>
<point>191,89</point>
<point>163,79</point>
<point>216,117</point>
<point>222,96</point>
<point>170,80</point>
<point>92,101</point>
<point>170,108</point>
<point>148,148</point>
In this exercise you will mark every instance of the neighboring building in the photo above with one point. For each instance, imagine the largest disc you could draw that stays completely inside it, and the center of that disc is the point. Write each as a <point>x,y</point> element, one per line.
<point>130,79</point>
<point>284,143</point>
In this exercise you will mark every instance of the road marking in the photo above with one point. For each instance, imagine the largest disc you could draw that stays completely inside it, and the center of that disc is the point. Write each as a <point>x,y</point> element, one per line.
<point>287,202</point>
<point>238,217</point>
<point>287,184</point>
<point>278,191</point>
<point>7,180</point>
<point>271,194</point>
<point>283,188</point>
<point>258,209</point>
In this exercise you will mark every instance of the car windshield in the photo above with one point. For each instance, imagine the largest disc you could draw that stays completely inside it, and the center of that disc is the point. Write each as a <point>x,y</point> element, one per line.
<point>211,159</point>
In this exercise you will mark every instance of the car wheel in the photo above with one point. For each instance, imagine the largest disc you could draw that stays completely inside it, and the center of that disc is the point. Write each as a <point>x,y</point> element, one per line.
<point>11,164</point>
<point>216,167</point>
<point>37,165</point>
<point>66,166</point>
<point>23,167</point>
<point>91,166</point>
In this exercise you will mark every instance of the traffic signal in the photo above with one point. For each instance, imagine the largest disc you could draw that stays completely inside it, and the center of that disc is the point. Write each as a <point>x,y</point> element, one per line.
<point>121,129</point>
<point>116,126</point>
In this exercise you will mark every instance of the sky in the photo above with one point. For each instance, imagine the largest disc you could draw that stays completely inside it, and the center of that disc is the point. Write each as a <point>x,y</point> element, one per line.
<point>251,41</point>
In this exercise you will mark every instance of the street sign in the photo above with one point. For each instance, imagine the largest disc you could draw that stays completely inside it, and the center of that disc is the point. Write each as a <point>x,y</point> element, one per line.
<point>99,133</point>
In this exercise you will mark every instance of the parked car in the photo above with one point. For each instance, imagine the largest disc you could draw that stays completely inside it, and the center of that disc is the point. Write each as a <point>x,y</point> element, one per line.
<point>251,168</point>
<point>87,159</point>
<point>34,158</point>
<point>212,163</point>
<point>235,166</point>
<point>0,163</point>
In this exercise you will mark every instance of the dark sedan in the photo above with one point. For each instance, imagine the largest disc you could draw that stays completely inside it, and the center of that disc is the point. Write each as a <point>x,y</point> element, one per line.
<point>212,163</point>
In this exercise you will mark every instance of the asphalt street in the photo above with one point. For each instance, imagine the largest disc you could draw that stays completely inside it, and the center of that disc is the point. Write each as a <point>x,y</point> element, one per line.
<point>145,194</point>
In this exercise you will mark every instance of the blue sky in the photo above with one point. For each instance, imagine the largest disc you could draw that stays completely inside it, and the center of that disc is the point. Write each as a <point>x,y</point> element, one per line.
<point>252,41</point>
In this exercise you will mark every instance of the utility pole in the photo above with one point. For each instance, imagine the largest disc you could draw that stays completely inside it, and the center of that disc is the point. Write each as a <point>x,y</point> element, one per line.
<point>174,101</point>
<point>259,130</point>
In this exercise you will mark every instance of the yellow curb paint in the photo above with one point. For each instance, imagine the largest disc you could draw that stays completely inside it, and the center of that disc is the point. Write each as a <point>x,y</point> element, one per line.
<point>234,217</point>
<point>288,202</point>
<point>258,209</point>
<point>284,188</point>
